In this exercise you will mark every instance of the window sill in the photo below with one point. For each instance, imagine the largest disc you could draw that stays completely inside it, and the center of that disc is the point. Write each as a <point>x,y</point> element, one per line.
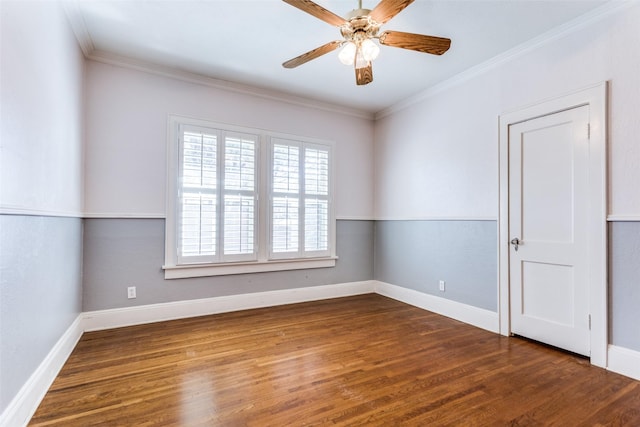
<point>203,270</point>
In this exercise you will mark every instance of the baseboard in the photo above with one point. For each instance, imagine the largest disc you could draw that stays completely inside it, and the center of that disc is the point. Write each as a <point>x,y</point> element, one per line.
<point>624,361</point>
<point>119,317</point>
<point>475,316</point>
<point>25,403</point>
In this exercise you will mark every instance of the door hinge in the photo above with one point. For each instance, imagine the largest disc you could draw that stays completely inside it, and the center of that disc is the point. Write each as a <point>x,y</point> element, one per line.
<point>588,130</point>
<point>589,322</point>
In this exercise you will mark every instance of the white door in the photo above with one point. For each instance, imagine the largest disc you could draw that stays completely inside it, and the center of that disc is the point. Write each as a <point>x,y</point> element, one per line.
<point>548,220</point>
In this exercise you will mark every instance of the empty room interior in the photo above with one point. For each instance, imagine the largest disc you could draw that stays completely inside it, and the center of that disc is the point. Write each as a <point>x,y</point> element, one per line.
<point>320,212</point>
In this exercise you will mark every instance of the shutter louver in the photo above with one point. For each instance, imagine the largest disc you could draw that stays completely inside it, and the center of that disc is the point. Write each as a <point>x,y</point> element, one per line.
<point>285,224</point>
<point>316,179</point>
<point>316,225</point>
<point>239,194</point>
<point>286,169</point>
<point>285,203</point>
<point>198,206</point>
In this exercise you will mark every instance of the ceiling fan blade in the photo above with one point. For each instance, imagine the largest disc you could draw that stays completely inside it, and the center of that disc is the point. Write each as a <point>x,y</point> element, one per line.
<point>419,42</point>
<point>317,11</point>
<point>387,9</point>
<point>312,54</point>
<point>364,76</point>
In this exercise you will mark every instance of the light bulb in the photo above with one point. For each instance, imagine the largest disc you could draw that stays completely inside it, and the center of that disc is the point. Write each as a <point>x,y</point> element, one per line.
<point>370,50</point>
<point>361,62</point>
<point>347,54</point>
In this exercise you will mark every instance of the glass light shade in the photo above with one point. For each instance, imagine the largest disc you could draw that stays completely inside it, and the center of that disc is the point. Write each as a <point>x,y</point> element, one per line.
<point>347,54</point>
<point>361,62</point>
<point>370,50</point>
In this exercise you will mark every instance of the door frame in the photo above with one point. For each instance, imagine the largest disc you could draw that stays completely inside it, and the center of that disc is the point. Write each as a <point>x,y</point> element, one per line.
<point>596,98</point>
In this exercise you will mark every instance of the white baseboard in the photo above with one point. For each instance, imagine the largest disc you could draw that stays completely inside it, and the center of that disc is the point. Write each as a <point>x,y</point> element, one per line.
<point>475,316</point>
<point>624,361</point>
<point>25,403</point>
<point>119,317</point>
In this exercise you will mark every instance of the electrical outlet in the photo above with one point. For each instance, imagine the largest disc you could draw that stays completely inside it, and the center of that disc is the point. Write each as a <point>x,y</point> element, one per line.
<point>441,285</point>
<point>131,292</point>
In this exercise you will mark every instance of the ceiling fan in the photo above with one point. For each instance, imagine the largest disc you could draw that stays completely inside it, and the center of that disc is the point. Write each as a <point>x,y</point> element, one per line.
<point>358,28</point>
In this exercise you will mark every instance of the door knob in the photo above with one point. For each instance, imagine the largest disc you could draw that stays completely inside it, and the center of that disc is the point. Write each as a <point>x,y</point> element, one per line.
<point>516,242</point>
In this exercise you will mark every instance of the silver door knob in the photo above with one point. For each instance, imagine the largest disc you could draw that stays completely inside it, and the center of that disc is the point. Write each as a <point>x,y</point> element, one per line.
<point>516,242</point>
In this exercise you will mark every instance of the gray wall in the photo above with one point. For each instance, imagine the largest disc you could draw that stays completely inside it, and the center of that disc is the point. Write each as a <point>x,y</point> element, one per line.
<point>417,254</point>
<point>624,284</point>
<point>40,292</point>
<point>130,252</point>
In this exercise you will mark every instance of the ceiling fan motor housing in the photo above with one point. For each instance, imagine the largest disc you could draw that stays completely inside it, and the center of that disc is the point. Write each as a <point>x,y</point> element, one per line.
<point>359,26</point>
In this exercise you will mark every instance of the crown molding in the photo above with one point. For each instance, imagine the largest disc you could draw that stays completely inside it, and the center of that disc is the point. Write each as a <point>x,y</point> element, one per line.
<point>78,26</point>
<point>589,18</point>
<point>189,77</point>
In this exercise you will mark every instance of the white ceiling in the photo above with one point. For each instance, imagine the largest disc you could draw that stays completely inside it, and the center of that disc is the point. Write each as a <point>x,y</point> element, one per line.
<point>246,41</point>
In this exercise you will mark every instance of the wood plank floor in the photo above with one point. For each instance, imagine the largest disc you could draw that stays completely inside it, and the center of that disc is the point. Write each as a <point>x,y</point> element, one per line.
<point>364,360</point>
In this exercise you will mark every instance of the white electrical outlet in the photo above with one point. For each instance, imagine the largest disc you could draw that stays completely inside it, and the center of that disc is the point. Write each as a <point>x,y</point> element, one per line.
<point>131,292</point>
<point>441,285</point>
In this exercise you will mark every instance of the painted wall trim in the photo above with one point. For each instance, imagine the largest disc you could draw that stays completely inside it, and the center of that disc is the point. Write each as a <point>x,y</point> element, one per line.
<point>25,403</point>
<point>355,218</point>
<point>474,316</point>
<point>623,218</point>
<point>205,270</point>
<point>162,215</point>
<point>134,64</point>
<point>624,361</point>
<point>119,317</point>
<point>16,210</point>
<point>439,218</point>
<point>577,24</point>
<point>123,215</point>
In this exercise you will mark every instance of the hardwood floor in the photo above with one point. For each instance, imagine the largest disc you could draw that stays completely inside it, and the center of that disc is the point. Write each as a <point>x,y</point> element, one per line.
<point>364,360</point>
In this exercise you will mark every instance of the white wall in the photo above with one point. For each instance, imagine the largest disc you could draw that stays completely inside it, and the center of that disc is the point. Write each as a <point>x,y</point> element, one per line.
<point>126,138</point>
<point>41,107</point>
<point>41,92</point>
<point>439,157</point>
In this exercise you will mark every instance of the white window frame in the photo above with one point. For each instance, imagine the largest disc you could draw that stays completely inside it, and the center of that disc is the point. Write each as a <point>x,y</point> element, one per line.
<point>262,260</point>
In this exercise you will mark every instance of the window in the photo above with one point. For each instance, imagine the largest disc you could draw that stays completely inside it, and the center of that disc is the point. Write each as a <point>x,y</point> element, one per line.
<point>299,199</point>
<point>243,200</point>
<point>217,193</point>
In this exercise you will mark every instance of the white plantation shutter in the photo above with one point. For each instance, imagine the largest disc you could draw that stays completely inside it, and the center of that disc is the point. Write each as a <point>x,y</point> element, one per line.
<point>217,191</point>
<point>198,207</point>
<point>239,196</point>
<point>316,209</point>
<point>300,199</point>
<point>285,198</point>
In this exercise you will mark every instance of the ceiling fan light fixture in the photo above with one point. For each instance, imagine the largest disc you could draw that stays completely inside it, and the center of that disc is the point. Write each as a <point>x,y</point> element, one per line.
<point>370,50</point>
<point>348,53</point>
